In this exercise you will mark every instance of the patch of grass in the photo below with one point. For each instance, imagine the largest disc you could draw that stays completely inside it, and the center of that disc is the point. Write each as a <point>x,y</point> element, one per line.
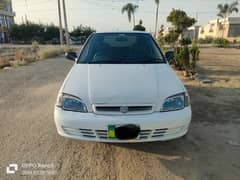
<point>52,51</point>
<point>24,56</point>
<point>4,62</point>
<point>18,63</point>
<point>35,46</point>
<point>20,55</point>
<point>49,52</point>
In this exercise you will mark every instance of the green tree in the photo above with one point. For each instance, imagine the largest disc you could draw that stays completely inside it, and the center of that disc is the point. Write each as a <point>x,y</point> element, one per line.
<point>194,51</point>
<point>42,33</point>
<point>27,32</point>
<point>221,42</point>
<point>156,23</point>
<point>182,58</point>
<point>160,33</point>
<point>185,59</point>
<point>139,27</point>
<point>50,32</point>
<point>225,10</point>
<point>130,9</point>
<point>180,20</point>
<point>82,31</point>
<point>160,38</point>
<point>171,37</point>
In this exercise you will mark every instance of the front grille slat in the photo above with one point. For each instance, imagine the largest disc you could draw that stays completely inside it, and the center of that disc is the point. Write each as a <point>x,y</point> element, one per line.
<point>160,135</point>
<point>140,108</point>
<point>101,109</point>
<point>142,134</point>
<point>111,109</point>
<point>80,132</point>
<point>103,137</point>
<point>161,132</point>
<point>143,137</point>
<point>85,129</point>
<point>102,134</point>
<point>89,136</point>
<point>147,130</point>
<point>86,132</point>
<point>161,129</point>
<point>101,130</point>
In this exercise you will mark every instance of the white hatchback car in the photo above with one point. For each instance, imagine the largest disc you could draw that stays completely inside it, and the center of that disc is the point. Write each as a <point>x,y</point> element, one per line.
<point>121,89</point>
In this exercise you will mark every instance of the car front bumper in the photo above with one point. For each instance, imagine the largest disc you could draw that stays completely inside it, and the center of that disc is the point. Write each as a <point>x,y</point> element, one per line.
<point>157,126</point>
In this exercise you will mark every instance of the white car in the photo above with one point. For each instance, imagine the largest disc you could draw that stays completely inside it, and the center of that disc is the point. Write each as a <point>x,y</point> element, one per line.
<point>121,89</point>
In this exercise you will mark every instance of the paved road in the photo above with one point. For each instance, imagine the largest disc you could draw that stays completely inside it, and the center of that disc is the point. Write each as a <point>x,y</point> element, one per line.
<point>28,135</point>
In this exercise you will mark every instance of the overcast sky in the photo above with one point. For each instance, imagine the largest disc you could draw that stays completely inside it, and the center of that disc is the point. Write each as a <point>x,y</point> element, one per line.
<point>105,15</point>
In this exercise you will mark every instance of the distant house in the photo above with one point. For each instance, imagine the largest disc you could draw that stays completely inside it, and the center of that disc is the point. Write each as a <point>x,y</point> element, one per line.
<point>6,19</point>
<point>228,28</point>
<point>191,33</point>
<point>167,30</point>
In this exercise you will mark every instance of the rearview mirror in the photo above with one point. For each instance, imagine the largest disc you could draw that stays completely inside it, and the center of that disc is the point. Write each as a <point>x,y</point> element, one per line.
<point>71,55</point>
<point>169,55</point>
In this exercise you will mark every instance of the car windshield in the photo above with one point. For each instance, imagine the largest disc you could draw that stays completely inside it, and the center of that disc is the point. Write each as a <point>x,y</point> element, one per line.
<point>121,48</point>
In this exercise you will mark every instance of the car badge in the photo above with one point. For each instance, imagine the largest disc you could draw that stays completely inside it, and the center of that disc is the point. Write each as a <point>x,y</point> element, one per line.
<point>123,109</point>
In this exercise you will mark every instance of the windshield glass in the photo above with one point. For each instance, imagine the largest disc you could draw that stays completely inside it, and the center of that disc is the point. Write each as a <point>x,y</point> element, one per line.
<point>121,48</point>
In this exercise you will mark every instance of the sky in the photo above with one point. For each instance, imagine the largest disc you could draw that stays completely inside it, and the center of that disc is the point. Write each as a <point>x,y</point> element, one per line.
<point>105,15</point>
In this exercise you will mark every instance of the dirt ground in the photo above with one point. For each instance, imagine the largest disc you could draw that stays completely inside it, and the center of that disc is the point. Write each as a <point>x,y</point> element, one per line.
<point>210,151</point>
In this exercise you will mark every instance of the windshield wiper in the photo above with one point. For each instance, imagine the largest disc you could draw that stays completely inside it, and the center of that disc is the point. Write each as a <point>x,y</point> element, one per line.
<point>157,61</point>
<point>106,62</point>
<point>147,61</point>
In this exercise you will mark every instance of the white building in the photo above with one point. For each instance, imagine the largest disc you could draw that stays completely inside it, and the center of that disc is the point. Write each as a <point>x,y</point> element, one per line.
<point>167,30</point>
<point>191,33</point>
<point>228,28</point>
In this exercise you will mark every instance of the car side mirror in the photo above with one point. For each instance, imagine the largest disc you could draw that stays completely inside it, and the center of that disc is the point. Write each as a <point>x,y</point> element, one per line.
<point>169,55</point>
<point>71,55</point>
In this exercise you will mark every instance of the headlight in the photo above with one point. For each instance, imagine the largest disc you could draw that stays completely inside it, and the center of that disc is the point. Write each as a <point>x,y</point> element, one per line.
<point>71,103</point>
<point>176,102</point>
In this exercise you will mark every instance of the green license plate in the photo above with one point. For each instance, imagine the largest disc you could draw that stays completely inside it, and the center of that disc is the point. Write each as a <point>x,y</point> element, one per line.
<point>111,132</point>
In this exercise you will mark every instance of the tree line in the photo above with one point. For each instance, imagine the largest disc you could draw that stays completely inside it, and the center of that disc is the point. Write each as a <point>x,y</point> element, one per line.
<point>45,33</point>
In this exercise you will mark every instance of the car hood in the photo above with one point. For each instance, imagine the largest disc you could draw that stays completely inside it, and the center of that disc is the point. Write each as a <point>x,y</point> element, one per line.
<point>122,83</point>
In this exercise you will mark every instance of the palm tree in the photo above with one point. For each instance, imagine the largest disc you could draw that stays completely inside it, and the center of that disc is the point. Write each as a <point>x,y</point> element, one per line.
<point>225,10</point>
<point>156,23</point>
<point>130,9</point>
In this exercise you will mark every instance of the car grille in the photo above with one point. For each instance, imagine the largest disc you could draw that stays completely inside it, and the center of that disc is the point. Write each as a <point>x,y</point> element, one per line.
<point>89,133</point>
<point>98,109</point>
<point>102,134</point>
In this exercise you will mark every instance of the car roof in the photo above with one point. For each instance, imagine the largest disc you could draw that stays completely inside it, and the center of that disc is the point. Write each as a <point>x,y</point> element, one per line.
<point>123,32</point>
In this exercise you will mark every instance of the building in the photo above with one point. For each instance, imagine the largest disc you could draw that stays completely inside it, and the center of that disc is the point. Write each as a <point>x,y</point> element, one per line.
<point>191,33</point>
<point>228,28</point>
<point>168,30</point>
<point>6,19</point>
